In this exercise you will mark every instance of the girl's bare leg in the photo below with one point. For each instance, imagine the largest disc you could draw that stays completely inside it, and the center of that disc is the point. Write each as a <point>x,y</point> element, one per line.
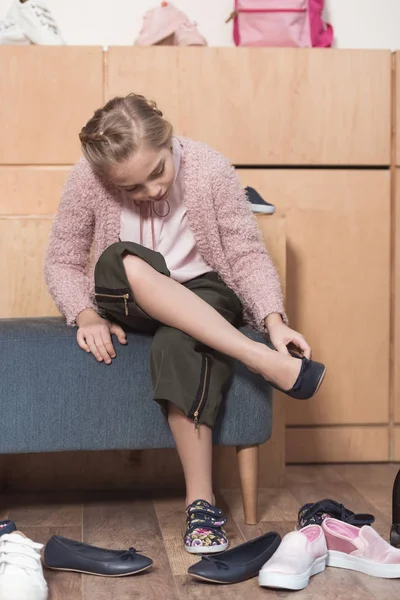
<point>195,453</point>
<point>172,304</point>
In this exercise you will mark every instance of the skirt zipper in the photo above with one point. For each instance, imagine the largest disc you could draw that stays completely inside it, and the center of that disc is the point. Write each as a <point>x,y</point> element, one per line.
<point>203,393</point>
<point>124,296</point>
<point>235,13</point>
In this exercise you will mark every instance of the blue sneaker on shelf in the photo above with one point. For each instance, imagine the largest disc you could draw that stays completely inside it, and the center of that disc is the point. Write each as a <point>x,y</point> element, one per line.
<point>7,527</point>
<point>258,205</point>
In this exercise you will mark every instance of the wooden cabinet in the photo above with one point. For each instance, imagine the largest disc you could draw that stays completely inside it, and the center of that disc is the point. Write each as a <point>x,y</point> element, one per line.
<point>31,190</point>
<point>47,95</point>
<point>23,245</point>
<point>396,98</point>
<point>267,106</point>
<point>396,303</point>
<point>338,286</point>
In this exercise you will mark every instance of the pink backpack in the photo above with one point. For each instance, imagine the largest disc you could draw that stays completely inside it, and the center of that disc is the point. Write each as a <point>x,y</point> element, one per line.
<point>277,23</point>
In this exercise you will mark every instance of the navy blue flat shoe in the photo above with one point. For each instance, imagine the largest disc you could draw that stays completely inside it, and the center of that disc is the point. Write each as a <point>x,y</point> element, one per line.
<point>309,380</point>
<point>240,563</point>
<point>68,555</point>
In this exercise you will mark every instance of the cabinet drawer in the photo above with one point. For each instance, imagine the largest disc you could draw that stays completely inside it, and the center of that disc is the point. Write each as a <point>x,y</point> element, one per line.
<point>270,106</point>
<point>47,95</point>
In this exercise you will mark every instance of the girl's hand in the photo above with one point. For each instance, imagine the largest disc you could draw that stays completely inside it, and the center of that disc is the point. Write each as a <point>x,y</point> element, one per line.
<point>94,335</point>
<point>281,336</point>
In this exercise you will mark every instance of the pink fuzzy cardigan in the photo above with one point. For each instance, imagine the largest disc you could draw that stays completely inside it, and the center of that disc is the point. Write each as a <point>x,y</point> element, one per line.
<point>219,215</point>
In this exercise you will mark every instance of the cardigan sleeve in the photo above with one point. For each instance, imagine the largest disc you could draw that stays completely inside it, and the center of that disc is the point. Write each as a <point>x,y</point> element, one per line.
<point>71,238</point>
<point>256,278</point>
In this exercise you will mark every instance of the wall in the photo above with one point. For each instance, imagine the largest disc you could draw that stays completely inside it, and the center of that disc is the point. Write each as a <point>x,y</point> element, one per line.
<point>357,23</point>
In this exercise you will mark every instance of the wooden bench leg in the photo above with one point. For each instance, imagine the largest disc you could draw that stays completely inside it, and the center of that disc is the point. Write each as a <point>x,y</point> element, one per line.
<point>248,472</point>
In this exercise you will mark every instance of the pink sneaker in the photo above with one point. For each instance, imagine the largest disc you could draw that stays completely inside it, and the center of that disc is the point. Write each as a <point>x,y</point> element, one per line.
<point>160,23</point>
<point>187,34</point>
<point>362,550</point>
<point>300,555</point>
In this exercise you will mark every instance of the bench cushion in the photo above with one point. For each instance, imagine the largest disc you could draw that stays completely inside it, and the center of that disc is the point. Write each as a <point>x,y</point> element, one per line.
<point>56,397</point>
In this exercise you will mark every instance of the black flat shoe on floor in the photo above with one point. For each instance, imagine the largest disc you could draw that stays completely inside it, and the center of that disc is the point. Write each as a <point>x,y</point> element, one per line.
<point>308,382</point>
<point>68,555</point>
<point>238,564</point>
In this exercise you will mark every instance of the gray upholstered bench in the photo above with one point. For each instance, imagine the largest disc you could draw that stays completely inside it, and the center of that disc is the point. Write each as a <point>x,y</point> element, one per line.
<point>58,398</point>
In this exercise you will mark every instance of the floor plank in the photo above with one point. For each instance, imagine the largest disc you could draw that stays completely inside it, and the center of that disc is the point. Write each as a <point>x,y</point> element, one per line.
<point>45,510</point>
<point>116,524</point>
<point>190,589</point>
<point>275,504</point>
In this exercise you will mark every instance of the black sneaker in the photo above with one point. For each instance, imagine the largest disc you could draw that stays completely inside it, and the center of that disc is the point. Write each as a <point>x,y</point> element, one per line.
<point>316,512</point>
<point>204,533</point>
<point>258,204</point>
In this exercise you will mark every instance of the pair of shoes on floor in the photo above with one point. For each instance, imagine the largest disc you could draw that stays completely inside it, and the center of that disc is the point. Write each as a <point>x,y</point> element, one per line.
<point>167,25</point>
<point>21,572</point>
<point>29,22</point>
<point>335,543</point>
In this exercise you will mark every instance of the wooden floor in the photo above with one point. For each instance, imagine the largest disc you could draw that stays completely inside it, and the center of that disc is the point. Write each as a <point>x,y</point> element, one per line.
<point>156,525</point>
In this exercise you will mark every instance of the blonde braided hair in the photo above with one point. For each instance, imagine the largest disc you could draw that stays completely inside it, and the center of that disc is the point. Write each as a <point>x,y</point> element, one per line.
<point>116,131</point>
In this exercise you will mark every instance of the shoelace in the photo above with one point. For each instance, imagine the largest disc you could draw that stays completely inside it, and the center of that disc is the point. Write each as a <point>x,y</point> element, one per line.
<point>130,554</point>
<point>45,16</point>
<point>7,24</point>
<point>216,561</point>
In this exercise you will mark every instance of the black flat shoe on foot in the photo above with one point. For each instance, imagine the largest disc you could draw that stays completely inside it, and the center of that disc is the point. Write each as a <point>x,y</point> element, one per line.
<point>238,564</point>
<point>308,382</point>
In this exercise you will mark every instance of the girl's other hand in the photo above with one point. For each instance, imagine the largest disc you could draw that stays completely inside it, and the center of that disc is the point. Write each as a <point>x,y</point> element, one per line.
<point>281,336</point>
<point>94,335</point>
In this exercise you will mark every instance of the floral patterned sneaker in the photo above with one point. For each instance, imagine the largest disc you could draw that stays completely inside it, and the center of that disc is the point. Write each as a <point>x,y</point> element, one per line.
<point>204,533</point>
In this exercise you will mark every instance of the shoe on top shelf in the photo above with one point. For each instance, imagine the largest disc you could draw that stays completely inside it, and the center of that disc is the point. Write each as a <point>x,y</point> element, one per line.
<point>11,34</point>
<point>37,22</point>
<point>167,25</point>
<point>21,572</point>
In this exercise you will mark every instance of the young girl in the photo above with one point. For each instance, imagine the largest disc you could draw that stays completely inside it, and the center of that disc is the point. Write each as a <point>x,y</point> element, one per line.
<point>178,254</point>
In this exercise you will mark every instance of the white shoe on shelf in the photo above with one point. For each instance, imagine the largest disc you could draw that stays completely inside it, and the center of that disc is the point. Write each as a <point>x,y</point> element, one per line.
<point>21,572</point>
<point>11,34</point>
<point>35,19</point>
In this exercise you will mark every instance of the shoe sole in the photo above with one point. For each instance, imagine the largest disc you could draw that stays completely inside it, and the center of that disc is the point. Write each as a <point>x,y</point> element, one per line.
<point>320,381</point>
<point>207,549</point>
<point>98,574</point>
<point>368,567</point>
<point>287,581</point>
<point>199,577</point>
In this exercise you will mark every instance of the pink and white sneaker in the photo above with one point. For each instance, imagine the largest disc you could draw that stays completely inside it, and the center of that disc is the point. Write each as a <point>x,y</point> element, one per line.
<point>300,555</point>
<point>362,550</point>
<point>160,23</point>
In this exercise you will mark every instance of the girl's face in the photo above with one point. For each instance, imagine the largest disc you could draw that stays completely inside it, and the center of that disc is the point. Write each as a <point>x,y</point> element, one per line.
<point>147,175</point>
